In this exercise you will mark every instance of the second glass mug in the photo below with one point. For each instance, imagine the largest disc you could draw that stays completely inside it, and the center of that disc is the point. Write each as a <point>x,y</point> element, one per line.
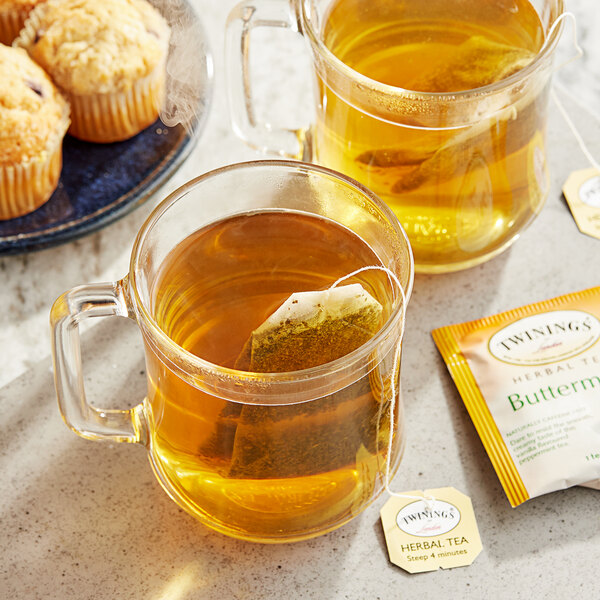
<point>465,171</point>
<point>269,457</point>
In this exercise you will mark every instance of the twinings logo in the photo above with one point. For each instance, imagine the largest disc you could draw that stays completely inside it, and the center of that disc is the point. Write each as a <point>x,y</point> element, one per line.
<point>417,518</point>
<point>589,192</point>
<point>545,338</point>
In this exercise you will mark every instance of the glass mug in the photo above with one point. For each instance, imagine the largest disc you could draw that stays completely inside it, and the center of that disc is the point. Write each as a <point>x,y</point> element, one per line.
<point>269,457</point>
<point>465,171</point>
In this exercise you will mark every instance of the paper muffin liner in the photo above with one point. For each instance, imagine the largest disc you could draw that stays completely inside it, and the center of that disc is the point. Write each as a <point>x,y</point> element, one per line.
<point>11,22</point>
<point>26,186</point>
<point>117,116</point>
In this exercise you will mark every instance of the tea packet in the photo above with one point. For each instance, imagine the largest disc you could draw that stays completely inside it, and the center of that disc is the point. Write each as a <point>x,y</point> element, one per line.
<point>307,330</point>
<point>530,380</point>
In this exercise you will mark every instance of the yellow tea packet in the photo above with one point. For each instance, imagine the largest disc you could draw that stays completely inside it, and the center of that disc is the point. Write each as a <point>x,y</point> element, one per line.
<point>530,379</point>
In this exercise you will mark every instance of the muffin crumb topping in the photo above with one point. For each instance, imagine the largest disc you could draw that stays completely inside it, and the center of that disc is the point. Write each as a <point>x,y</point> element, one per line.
<point>33,114</point>
<point>92,47</point>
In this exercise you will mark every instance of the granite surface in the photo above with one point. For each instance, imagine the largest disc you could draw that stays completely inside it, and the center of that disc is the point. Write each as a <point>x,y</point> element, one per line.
<point>88,520</point>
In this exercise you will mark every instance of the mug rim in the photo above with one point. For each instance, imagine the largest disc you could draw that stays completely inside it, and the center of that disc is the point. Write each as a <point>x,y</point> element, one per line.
<point>350,361</point>
<point>548,46</point>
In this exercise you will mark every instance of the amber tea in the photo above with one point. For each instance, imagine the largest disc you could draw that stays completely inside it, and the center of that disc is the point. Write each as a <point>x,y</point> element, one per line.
<point>255,470</point>
<point>238,276</point>
<point>461,192</point>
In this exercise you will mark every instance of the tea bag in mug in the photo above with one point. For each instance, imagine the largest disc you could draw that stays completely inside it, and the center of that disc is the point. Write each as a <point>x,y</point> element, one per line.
<point>312,328</point>
<point>307,330</point>
<point>476,62</point>
<point>463,151</point>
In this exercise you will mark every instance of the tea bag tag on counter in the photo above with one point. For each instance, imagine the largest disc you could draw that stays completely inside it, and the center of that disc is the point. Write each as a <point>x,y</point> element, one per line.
<point>437,531</point>
<point>312,328</point>
<point>582,192</point>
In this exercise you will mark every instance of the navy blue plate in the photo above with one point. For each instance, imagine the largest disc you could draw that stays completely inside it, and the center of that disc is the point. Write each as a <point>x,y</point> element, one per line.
<point>100,183</point>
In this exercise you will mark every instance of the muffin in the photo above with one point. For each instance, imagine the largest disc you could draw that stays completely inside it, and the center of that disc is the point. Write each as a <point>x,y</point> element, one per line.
<point>34,118</point>
<point>108,58</point>
<point>12,16</point>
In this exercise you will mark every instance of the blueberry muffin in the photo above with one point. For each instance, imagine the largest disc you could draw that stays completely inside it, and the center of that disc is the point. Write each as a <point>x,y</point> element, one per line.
<point>34,118</point>
<point>107,57</point>
<point>13,14</point>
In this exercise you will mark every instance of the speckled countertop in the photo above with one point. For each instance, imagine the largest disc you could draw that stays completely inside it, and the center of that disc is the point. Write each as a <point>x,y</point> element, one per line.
<point>87,520</point>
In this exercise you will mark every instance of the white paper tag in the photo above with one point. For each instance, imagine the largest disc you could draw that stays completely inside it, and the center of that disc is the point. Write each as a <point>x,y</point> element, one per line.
<point>582,192</point>
<point>426,535</point>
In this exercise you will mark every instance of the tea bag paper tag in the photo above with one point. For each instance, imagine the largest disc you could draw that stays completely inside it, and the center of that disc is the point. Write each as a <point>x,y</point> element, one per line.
<point>424,535</point>
<point>582,192</point>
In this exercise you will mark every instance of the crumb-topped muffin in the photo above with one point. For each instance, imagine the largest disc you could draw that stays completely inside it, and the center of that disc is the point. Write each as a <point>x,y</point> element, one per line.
<point>12,17</point>
<point>33,121</point>
<point>107,56</point>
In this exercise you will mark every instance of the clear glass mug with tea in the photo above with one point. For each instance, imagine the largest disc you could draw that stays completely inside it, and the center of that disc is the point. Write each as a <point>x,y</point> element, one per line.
<point>439,107</point>
<point>264,456</point>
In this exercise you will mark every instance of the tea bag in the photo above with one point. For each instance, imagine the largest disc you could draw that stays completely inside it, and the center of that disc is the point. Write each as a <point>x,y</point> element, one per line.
<point>304,439</point>
<point>476,62</point>
<point>495,136</point>
<point>395,157</point>
<point>309,329</point>
<point>312,328</point>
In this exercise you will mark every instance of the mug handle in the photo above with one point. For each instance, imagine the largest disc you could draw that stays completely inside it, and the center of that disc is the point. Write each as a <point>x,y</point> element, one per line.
<point>243,18</point>
<point>83,302</point>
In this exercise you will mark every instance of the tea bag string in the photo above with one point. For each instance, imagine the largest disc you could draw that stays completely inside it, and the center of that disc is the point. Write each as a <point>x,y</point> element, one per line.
<point>581,143</point>
<point>427,498</point>
<point>579,52</point>
<point>578,49</point>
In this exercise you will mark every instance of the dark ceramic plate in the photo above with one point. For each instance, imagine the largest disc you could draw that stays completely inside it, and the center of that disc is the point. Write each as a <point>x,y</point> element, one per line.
<point>102,182</point>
